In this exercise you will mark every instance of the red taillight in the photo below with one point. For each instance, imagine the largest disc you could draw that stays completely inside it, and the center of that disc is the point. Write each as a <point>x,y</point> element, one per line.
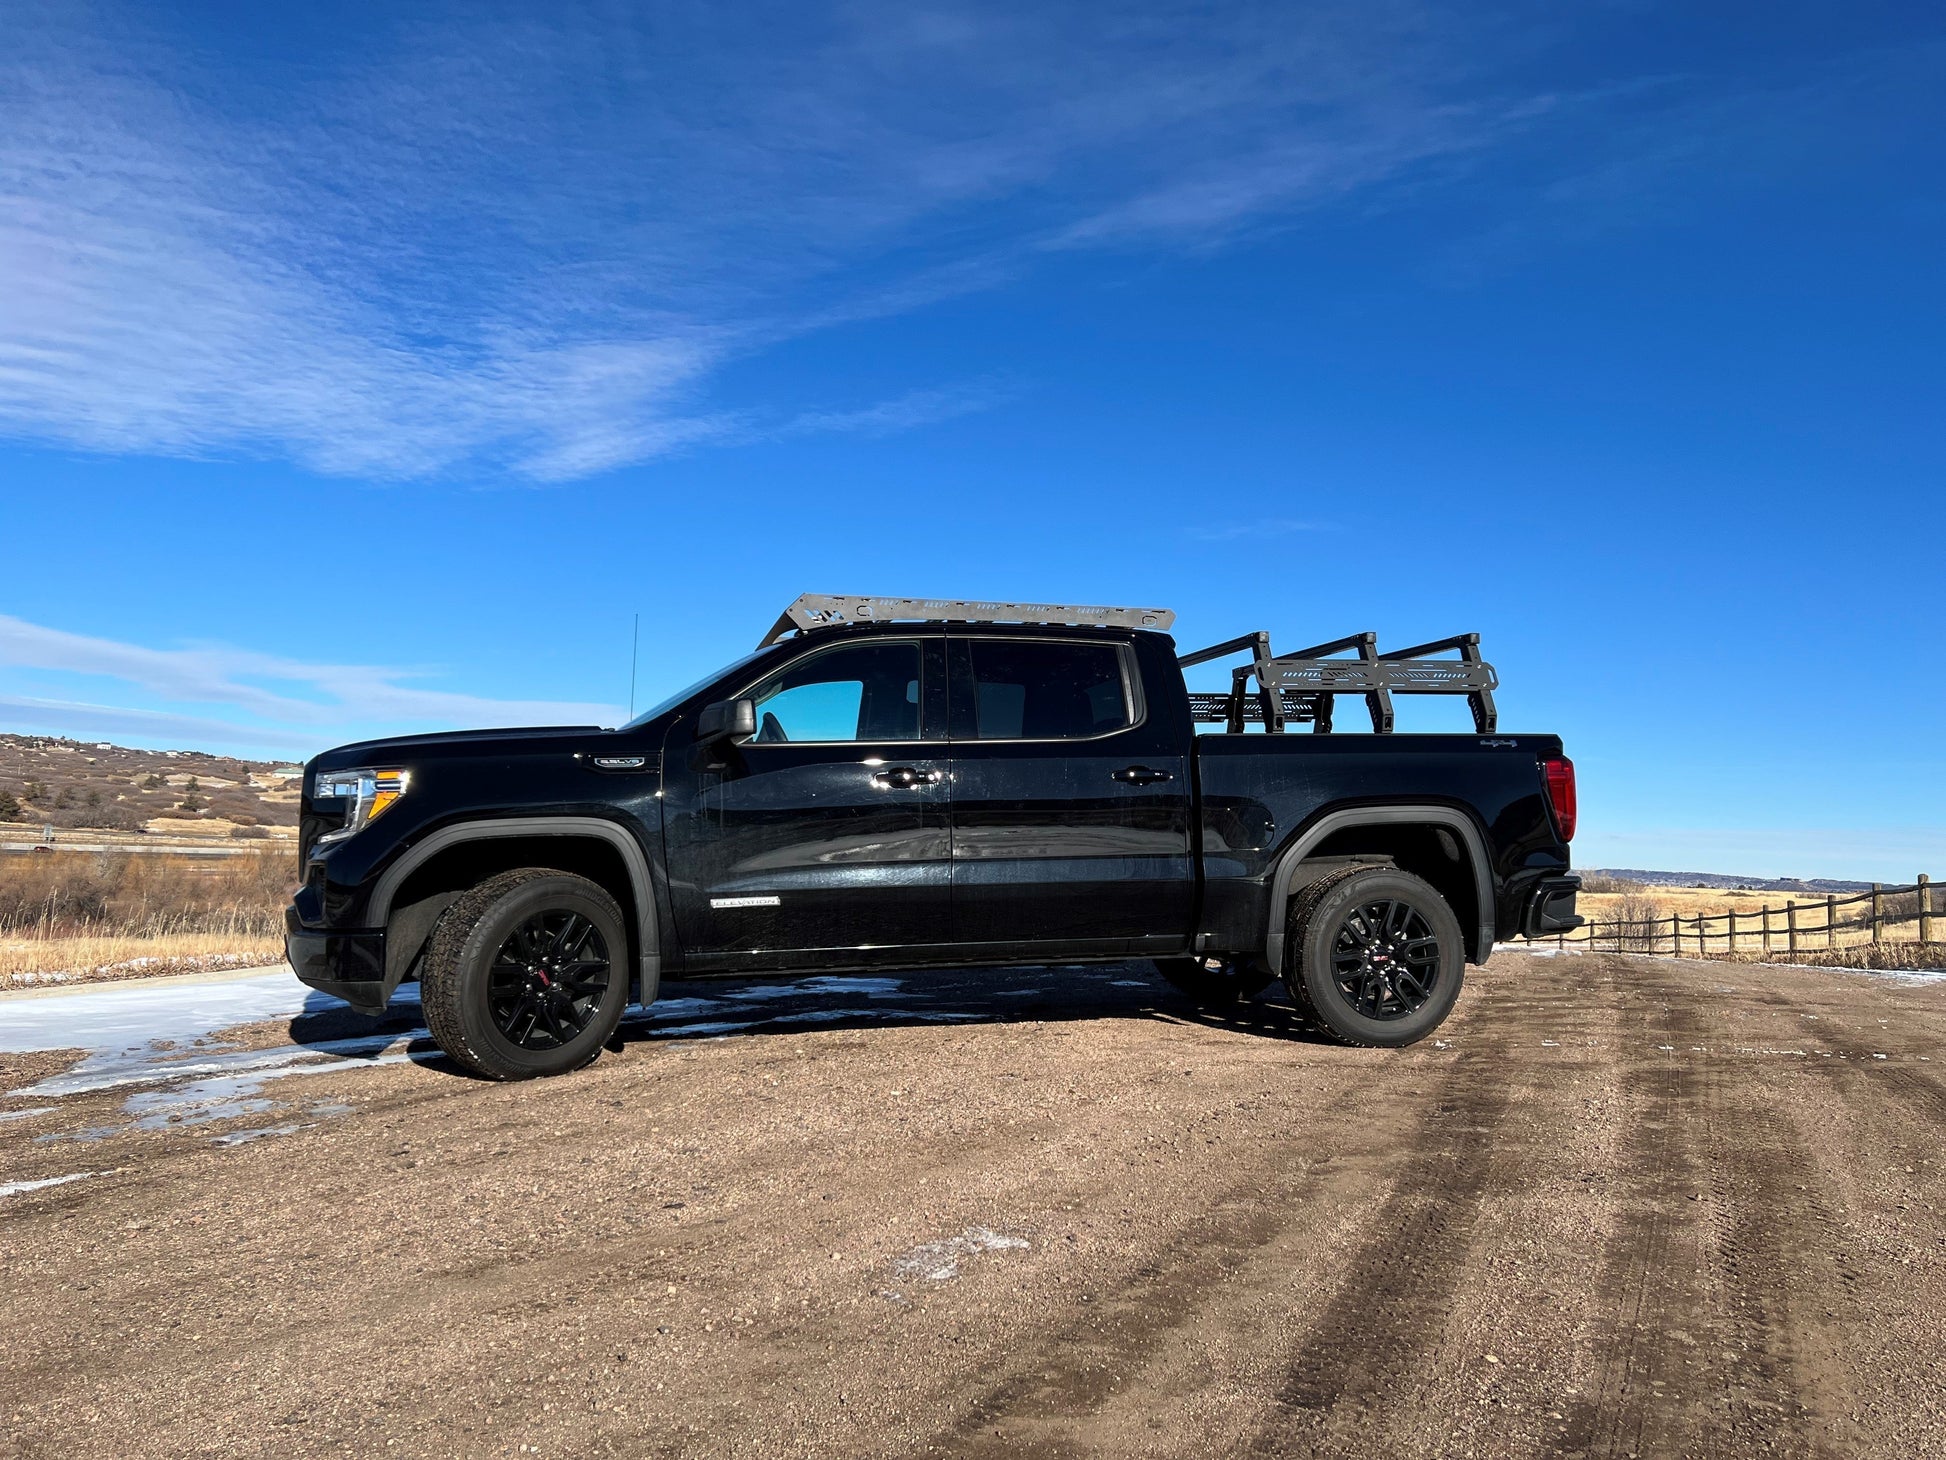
<point>1560,794</point>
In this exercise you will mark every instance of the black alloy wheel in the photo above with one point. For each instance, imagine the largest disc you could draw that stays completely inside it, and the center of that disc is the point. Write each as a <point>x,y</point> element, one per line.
<point>548,980</point>
<point>1373,955</point>
<point>526,974</point>
<point>1386,959</point>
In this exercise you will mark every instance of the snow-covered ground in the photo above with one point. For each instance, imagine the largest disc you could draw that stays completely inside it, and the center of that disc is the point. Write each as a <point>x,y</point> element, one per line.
<point>162,1041</point>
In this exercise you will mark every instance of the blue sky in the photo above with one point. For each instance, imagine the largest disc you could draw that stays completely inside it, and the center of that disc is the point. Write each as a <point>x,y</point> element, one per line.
<point>367,372</point>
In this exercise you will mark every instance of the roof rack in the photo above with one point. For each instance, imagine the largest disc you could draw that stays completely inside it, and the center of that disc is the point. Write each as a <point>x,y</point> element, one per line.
<point>830,611</point>
<point>1304,686</point>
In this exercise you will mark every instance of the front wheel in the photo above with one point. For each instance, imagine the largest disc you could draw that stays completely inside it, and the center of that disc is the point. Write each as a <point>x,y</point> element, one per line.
<point>526,974</point>
<point>1374,957</point>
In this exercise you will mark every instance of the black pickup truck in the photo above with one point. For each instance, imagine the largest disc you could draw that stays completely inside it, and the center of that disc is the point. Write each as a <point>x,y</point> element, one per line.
<point>916,783</point>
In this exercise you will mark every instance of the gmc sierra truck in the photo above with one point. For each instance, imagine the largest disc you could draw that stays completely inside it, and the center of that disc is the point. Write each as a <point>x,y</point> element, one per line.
<point>913,783</point>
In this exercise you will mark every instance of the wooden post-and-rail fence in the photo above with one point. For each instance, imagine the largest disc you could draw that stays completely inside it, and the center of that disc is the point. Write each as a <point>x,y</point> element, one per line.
<point>1885,914</point>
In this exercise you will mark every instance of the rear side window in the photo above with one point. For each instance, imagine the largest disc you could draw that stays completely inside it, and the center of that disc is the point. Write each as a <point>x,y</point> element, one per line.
<point>861,693</point>
<point>1047,691</point>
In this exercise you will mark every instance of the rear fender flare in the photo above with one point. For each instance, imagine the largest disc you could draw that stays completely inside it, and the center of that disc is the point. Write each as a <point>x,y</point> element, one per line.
<point>1446,817</point>
<point>640,883</point>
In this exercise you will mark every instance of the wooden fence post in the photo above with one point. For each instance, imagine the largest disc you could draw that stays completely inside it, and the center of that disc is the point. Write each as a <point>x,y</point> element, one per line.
<point>1790,922</point>
<point>1925,908</point>
<point>1766,930</point>
<point>1733,932</point>
<point>1878,910</point>
<point>1675,934</point>
<point>1831,920</point>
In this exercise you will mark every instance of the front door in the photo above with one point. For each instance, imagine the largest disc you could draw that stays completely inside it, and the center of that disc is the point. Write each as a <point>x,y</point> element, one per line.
<point>1070,802</point>
<point>826,839</point>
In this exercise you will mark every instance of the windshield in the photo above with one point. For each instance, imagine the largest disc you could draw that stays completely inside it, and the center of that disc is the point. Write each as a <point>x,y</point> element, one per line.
<point>682,694</point>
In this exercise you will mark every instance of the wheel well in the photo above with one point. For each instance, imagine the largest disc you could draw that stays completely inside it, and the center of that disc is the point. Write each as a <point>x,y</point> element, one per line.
<point>1431,852</point>
<point>429,889</point>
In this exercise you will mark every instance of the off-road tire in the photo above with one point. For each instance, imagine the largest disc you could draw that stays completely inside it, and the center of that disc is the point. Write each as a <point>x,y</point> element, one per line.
<point>453,980</point>
<point>1317,916</point>
<point>1231,982</point>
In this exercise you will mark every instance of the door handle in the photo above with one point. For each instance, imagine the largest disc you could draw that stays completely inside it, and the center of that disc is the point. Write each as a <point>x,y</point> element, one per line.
<point>1141,775</point>
<point>904,778</point>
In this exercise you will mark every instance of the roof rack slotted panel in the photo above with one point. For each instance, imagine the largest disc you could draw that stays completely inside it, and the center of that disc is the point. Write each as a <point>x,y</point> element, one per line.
<point>830,610</point>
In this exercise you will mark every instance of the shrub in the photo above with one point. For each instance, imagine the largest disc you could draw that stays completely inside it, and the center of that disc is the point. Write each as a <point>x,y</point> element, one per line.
<point>1638,922</point>
<point>71,894</point>
<point>1599,882</point>
<point>9,806</point>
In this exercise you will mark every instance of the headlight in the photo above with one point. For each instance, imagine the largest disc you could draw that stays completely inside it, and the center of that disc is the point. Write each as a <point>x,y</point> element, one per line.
<point>368,792</point>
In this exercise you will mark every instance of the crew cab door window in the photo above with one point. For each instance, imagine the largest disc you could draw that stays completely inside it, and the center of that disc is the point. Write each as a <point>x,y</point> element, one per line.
<point>1024,690</point>
<point>1070,801</point>
<point>825,840</point>
<point>863,692</point>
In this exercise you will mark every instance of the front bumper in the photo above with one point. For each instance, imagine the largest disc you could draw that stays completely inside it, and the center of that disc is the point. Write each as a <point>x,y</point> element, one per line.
<point>348,966</point>
<point>1550,908</point>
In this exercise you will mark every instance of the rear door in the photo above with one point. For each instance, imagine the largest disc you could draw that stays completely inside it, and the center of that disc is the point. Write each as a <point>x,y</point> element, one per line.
<point>1071,802</point>
<point>826,839</point>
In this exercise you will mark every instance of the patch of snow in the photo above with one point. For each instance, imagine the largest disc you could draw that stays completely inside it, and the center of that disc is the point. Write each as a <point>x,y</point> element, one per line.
<point>15,1188</point>
<point>938,1261</point>
<point>132,1016</point>
<point>23,1114</point>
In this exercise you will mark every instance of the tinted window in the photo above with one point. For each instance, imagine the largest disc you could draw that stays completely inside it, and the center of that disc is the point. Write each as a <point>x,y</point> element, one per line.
<point>1046,691</point>
<point>865,692</point>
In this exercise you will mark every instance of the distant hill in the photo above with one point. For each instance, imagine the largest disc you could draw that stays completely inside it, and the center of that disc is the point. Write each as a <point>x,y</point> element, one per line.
<point>1725,880</point>
<point>77,784</point>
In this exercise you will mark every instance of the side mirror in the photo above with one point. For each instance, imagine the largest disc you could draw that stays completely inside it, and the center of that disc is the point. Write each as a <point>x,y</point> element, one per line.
<point>727,720</point>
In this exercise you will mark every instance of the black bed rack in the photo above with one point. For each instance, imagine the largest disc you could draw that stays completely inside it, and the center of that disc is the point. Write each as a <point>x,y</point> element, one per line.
<point>1302,687</point>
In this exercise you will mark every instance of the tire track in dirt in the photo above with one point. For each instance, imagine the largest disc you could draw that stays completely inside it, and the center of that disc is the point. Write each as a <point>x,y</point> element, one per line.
<point>1696,1360</point>
<point>1074,1373</point>
<point>1618,1418</point>
<point>1396,1295</point>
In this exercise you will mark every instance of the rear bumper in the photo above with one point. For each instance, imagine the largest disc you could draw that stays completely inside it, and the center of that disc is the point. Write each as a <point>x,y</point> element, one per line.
<point>1550,908</point>
<point>348,966</point>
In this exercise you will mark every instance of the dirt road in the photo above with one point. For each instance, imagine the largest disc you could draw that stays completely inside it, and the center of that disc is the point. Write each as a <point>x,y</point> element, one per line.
<point>1622,1207</point>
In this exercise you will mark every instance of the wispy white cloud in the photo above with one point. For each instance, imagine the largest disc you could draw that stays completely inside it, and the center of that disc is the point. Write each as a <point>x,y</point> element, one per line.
<point>482,242</point>
<point>902,413</point>
<point>273,700</point>
<point>29,715</point>
<point>1263,527</point>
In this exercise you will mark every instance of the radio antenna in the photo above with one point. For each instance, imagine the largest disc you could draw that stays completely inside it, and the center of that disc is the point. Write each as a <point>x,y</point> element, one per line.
<point>634,642</point>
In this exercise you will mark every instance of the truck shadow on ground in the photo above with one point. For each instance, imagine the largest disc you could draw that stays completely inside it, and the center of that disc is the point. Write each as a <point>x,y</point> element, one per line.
<point>756,1007</point>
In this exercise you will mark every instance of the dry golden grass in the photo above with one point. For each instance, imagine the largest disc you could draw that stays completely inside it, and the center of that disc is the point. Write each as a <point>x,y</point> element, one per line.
<point>1892,956</point>
<point>121,915</point>
<point>1690,901</point>
<point>87,958</point>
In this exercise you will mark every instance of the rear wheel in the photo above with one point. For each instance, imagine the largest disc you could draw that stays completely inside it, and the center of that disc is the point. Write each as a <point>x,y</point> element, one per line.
<point>1375,956</point>
<point>1216,981</point>
<point>526,974</point>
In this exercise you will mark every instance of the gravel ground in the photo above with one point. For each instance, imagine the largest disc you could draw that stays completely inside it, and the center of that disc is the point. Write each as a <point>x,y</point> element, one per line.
<point>1622,1207</point>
